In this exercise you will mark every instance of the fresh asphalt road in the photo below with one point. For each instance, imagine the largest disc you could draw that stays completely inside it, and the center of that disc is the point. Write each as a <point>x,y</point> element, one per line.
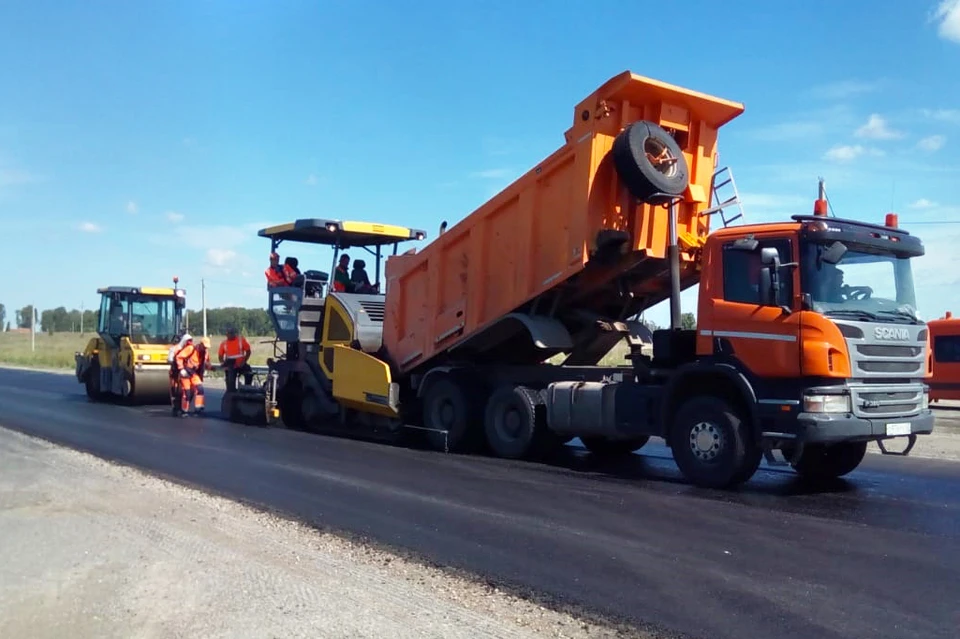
<point>876,555</point>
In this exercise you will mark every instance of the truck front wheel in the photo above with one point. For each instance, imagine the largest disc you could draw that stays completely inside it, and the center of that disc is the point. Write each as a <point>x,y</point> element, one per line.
<point>818,461</point>
<point>712,445</point>
<point>515,423</point>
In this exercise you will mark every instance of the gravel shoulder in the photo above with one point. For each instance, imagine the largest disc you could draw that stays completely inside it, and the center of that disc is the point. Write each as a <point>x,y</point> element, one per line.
<point>92,549</point>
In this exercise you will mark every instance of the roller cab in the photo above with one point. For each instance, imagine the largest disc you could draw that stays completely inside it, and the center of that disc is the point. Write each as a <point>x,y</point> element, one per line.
<point>136,328</point>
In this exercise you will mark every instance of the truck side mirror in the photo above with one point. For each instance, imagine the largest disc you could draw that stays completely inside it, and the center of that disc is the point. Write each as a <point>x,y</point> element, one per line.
<point>770,256</point>
<point>769,290</point>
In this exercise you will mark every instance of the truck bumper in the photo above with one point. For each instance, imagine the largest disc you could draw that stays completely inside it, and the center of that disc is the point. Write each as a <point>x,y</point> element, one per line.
<point>827,428</point>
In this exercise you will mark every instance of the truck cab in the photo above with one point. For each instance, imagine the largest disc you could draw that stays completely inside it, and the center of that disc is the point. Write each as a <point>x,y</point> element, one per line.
<point>816,319</point>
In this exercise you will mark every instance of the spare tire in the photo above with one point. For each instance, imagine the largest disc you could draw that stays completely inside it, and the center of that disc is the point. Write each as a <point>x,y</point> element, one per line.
<point>650,162</point>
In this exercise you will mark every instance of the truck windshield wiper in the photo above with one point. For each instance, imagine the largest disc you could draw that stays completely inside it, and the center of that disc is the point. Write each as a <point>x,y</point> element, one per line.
<point>851,314</point>
<point>898,313</point>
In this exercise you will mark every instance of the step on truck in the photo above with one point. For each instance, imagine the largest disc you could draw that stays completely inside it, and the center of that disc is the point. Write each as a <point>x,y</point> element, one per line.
<point>492,335</point>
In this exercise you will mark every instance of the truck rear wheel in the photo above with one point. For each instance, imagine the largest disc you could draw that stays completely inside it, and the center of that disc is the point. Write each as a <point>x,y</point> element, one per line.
<point>515,423</point>
<point>91,382</point>
<point>819,461</point>
<point>650,162</point>
<point>447,407</point>
<point>711,444</point>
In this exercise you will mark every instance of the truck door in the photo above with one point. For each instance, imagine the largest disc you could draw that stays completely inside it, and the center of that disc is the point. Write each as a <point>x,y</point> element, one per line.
<point>764,339</point>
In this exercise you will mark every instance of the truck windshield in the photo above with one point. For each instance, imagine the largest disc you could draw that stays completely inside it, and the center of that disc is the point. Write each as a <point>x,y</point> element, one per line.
<point>153,320</point>
<point>865,284</point>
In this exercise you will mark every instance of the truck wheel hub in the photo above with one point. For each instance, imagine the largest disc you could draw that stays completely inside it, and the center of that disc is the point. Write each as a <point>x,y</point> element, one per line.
<point>705,441</point>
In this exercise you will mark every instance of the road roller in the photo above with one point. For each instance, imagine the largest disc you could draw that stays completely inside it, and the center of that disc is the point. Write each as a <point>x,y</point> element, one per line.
<point>127,360</point>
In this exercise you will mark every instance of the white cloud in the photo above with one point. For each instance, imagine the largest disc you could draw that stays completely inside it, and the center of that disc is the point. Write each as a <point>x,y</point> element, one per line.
<point>877,128</point>
<point>942,115</point>
<point>932,143</point>
<point>843,89</point>
<point>189,142</point>
<point>89,227</point>
<point>947,14</point>
<point>220,257</point>
<point>132,207</point>
<point>311,180</point>
<point>173,216</point>
<point>848,153</point>
<point>923,203</point>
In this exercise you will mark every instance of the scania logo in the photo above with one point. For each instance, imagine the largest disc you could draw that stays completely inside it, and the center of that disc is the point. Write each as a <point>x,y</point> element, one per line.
<point>887,332</point>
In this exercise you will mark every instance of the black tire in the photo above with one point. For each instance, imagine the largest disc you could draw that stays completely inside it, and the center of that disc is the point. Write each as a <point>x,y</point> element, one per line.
<point>515,423</point>
<point>603,447</point>
<point>733,457</point>
<point>446,407</point>
<point>91,382</point>
<point>291,409</point>
<point>643,179</point>
<point>819,461</point>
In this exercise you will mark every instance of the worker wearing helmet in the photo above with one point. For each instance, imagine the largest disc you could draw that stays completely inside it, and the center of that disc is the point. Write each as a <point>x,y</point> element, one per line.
<point>189,361</point>
<point>234,354</point>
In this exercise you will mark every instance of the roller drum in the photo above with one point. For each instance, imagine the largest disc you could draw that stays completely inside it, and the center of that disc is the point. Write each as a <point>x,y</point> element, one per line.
<point>151,386</point>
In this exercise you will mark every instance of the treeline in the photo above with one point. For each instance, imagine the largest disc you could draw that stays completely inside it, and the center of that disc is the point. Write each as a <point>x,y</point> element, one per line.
<point>250,321</point>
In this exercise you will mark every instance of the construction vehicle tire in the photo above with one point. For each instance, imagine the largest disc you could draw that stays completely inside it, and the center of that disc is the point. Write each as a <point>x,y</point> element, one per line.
<point>711,443</point>
<point>820,461</point>
<point>515,423</point>
<point>450,416</point>
<point>650,162</point>
<point>91,382</point>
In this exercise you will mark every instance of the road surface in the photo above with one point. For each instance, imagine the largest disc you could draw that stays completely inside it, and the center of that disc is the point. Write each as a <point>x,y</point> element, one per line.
<point>877,555</point>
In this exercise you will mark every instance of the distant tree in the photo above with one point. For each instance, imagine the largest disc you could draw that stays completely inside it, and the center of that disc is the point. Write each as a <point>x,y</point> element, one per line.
<point>24,316</point>
<point>688,321</point>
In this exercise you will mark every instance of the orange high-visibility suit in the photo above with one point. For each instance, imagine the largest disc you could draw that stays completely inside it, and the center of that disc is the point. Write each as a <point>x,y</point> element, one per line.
<point>189,364</point>
<point>233,354</point>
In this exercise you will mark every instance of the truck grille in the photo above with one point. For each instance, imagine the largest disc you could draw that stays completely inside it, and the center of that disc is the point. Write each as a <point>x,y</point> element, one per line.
<point>887,374</point>
<point>878,401</point>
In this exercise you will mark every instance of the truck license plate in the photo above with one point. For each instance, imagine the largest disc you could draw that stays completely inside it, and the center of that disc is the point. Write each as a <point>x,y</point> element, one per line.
<point>900,428</point>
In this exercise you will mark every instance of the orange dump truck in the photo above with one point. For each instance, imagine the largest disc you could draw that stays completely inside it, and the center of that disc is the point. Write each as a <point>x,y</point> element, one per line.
<point>944,370</point>
<point>786,355</point>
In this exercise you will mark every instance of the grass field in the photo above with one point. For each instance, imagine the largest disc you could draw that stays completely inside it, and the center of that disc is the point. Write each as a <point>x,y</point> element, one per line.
<point>56,351</point>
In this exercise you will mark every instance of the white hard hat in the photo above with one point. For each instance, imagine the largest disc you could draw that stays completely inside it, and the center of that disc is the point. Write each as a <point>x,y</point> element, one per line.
<point>186,338</point>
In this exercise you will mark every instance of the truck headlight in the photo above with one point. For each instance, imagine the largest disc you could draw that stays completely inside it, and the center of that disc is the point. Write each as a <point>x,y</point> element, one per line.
<point>826,404</point>
<point>925,402</point>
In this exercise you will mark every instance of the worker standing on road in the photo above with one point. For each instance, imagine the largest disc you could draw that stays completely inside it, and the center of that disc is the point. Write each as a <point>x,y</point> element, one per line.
<point>234,354</point>
<point>203,350</point>
<point>188,365</point>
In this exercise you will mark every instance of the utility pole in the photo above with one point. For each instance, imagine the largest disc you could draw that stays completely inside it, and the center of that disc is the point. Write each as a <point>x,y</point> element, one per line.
<point>33,328</point>
<point>203,304</point>
<point>81,318</point>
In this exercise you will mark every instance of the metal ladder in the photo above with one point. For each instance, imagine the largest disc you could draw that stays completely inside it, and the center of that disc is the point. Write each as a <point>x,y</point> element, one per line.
<point>718,206</point>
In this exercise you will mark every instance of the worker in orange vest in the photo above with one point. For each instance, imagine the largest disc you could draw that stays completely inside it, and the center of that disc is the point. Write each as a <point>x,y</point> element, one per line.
<point>234,353</point>
<point>274,273</point>
<point>189,363</point>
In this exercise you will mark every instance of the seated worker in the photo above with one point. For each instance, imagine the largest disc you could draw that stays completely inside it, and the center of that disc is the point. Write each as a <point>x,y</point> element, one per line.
<point>291,272</point>
<point>359,279</point>
<point>274,273</point>
<point>341,279</point>
<point>234,354</point>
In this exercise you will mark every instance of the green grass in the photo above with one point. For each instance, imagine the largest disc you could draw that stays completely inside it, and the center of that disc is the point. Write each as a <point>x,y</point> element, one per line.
<point>56,351</point>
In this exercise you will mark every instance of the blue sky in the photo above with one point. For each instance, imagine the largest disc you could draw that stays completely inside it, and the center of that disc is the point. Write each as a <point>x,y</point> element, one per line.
<point>165,134</point>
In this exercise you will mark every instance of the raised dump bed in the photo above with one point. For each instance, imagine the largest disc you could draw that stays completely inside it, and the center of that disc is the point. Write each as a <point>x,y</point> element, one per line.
<point>577,242</point>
